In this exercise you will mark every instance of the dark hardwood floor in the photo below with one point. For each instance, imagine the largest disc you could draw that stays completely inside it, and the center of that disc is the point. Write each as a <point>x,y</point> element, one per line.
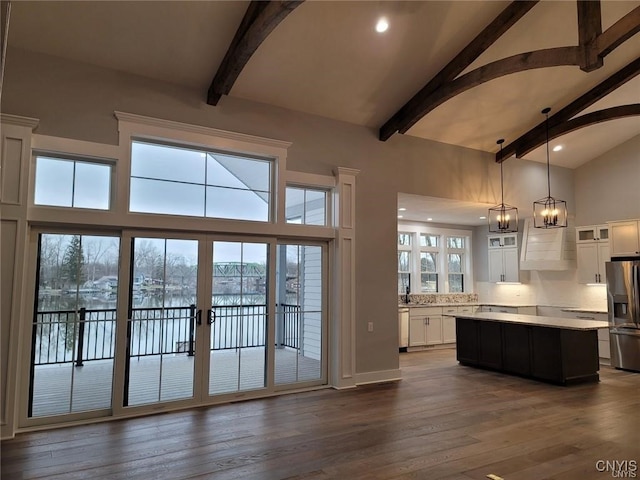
<point>442,421</point>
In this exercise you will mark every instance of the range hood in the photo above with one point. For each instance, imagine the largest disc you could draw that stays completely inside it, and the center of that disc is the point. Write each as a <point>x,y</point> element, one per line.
<point>548,249</point>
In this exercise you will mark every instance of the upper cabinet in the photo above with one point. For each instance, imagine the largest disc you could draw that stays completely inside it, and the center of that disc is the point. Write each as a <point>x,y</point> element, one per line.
<point>592,245</point>
<point>503,258</point>
<point>625,238</point>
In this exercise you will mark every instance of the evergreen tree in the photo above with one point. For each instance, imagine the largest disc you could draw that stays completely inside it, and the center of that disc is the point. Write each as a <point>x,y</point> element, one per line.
<point>73,262</point>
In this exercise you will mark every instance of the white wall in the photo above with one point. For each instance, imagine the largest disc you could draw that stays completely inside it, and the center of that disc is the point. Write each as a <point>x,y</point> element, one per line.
<point>608,187</point>
<point>76,100</point>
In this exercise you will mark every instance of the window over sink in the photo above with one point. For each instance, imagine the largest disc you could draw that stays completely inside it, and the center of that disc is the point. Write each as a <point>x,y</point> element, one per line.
<point>438,258</point>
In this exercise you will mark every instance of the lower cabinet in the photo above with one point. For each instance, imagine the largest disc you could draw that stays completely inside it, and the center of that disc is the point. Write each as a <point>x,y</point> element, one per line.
<point>425,327</point>
<point>478,343</point>
<point>555,355</point>
<point>604,350</point>
<point>526,310</point>
<point>517,351</point>
<point>545,354</point>
<point>489,345</point>
<point>448,329</point>
<point>403,327</point>
<point>467,340</point>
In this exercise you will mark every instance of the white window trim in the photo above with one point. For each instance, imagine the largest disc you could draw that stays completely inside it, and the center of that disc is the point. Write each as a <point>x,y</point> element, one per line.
<point>416,229</point>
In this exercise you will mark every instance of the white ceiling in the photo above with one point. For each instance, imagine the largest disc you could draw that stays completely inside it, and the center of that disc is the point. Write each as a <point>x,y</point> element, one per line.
<point>441,210</point>
<point>326,59</point>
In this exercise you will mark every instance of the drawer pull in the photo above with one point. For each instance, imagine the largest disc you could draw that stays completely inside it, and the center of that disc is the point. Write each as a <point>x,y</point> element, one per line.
<point>584,317</point>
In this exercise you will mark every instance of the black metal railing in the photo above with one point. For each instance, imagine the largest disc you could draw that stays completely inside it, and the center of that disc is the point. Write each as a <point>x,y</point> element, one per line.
<point>162,330</point>
<point>66,336</point>
<point>238,326</point>
<point>74,336</point>
<point>290,325</point>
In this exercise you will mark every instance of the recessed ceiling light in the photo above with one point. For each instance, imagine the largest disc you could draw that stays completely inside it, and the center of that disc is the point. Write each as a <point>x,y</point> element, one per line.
<point>429,219</point>
<point>483,218</point>
<point>557,148</point>
<point>382,25</point>
<point>400,216</point>
<point>402,209</point>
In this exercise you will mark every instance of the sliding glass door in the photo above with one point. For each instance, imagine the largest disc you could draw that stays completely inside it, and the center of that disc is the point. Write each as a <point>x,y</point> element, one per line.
<point>204,319</point>
<point>162,320</point>
<point>74,324</point>
<point>238,317</point>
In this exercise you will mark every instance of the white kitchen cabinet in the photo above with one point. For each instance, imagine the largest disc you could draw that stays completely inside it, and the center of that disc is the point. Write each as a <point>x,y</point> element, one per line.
<point>604,348</point>
<point>592,233</point>
<point>425,326</point>
<point>449,323</point>
<point>503,258</point>
<point>403,327</point>
<point>523,310</point>
<point>592,245</point>
<point>624,238</point>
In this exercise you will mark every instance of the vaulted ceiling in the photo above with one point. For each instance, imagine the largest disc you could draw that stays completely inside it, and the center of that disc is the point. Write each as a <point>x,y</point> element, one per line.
<point>326,58</point>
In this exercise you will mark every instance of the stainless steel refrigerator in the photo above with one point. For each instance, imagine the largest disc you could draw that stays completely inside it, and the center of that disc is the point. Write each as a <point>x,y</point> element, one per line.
<point>623,305</point>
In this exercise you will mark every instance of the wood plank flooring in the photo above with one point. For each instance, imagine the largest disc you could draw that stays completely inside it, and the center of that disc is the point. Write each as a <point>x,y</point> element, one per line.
<point>442,421</point>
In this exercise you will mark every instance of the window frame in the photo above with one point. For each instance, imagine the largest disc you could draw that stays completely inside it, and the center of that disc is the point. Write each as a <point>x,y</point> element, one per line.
<point>271,216</point>
<point>75,159</point>
<point>442,251</point>
<point>402,248</point>
<point>302,217</point>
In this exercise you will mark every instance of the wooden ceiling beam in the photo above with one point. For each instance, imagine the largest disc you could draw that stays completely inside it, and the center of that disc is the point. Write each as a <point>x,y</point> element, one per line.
<point>411,112</point>
<point>589,29</point>
<point>260,19</point>
<point>538,133</point>
<point>617,33</point>
<point>551,57</point>
<point>586,120</point>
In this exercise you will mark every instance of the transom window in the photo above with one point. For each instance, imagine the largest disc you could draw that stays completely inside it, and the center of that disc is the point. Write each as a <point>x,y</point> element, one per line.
<point>185,181</point>
<point>307,206</point>
<point>68,182</point>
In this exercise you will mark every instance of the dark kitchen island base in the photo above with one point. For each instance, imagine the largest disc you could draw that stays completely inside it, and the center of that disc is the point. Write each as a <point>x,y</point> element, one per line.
<point>541,348</point>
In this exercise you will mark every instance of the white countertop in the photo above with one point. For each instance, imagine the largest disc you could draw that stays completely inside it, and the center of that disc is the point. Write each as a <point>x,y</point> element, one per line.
<point>460,304</point>
<point>583,310</point>
<point>553,322</point>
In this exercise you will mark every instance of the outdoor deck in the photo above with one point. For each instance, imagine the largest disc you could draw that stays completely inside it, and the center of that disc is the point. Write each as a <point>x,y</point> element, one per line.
<point>92,382</point>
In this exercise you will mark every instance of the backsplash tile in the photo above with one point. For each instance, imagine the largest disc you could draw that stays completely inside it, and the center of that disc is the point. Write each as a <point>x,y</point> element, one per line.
<point>438,298</point>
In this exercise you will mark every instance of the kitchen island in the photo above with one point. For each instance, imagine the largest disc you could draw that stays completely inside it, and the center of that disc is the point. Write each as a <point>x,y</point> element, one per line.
<point>556,350</point>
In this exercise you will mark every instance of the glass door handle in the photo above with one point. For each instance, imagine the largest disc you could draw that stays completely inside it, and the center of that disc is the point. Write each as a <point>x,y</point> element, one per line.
<point>211,316</point>
<point>199,317</point>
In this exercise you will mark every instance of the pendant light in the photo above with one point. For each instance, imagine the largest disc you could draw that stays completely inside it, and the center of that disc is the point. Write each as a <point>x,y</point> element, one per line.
<point>502,218</point>
<point>549,212</point>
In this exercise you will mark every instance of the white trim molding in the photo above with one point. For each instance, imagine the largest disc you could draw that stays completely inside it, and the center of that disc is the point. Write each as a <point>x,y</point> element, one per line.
<point>19,121</point>
<point>139,120</point>
<point>379,376</point>
<point>343,325</point>
<point>46,143</point>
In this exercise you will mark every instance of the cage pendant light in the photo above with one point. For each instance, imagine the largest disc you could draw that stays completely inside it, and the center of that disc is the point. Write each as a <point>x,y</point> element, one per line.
<point>549,212</point>
<point>502,218</point>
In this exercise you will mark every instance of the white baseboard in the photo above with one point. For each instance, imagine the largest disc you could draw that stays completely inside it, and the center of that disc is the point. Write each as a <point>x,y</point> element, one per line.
<point>379,376</point>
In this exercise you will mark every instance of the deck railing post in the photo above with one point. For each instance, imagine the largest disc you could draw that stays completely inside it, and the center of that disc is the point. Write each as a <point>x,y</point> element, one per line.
<point>192,324</point>
<point>83,316</point>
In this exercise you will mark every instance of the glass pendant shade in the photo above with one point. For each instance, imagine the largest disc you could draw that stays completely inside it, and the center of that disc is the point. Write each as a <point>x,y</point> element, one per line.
<point>549,212</point>
<point>502,218</point>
